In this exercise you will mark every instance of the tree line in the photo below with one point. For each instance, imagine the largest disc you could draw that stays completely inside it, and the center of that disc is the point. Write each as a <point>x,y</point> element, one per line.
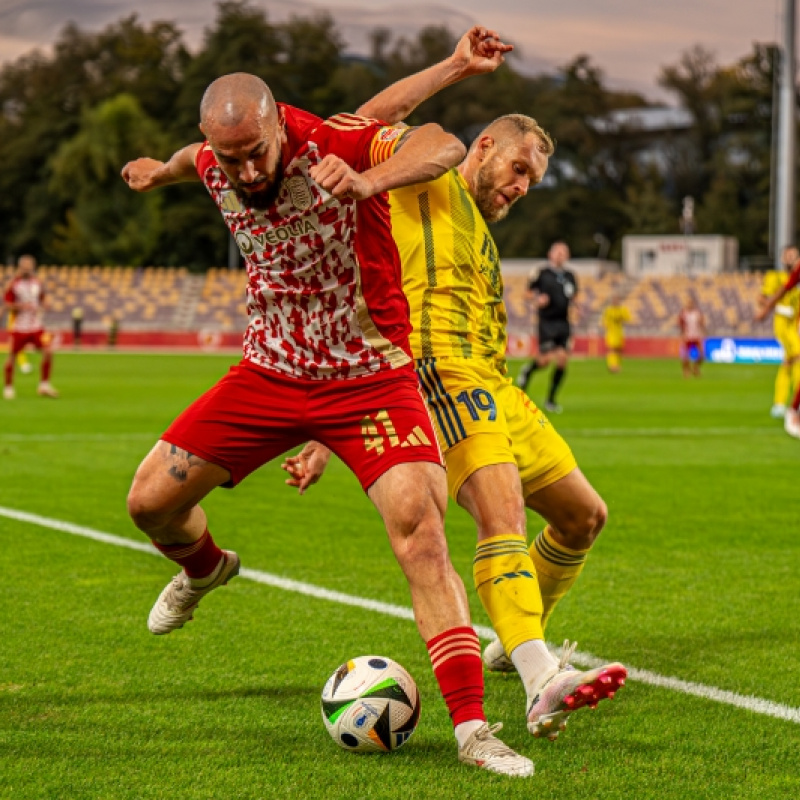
<point>71,119</point>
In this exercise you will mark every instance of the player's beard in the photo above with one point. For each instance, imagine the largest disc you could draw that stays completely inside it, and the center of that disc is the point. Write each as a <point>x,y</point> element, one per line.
<point>264,198</point>
<point>486,191</point>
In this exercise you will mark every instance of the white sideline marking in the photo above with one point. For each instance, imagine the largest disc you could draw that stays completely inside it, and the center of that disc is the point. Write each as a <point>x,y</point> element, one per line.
<point>754,704</point>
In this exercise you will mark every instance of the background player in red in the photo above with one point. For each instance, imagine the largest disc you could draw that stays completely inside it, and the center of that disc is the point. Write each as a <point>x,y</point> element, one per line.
<point>692,324</point>
<point>25,298</point>
<point>326,357</point>
<point>791,422</point>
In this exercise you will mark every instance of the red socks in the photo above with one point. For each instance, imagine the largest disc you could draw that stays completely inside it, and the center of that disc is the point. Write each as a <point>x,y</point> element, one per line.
<point>457,665</point>
<point>198,559</point>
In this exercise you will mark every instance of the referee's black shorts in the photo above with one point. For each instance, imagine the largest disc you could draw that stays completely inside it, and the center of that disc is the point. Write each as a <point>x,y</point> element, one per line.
<point>554,335</point>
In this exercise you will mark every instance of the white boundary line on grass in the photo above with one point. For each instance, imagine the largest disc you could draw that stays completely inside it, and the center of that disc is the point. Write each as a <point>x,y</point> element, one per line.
<point>753,704</point>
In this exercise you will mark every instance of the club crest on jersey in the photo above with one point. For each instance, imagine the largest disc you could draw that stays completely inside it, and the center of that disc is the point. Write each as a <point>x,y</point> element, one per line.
<point>231,203</point>
<point>390,134</point>
<point>302,199</point>
<point>250,243</point>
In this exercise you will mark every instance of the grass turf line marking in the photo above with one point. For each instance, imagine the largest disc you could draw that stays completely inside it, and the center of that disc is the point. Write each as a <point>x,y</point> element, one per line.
<point>746,702</point>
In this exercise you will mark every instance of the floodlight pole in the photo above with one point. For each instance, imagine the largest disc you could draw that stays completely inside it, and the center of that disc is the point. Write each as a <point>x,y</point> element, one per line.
<point>785,205</point>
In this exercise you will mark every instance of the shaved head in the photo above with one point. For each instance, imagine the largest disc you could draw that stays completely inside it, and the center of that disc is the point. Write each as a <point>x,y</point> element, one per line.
<point>246,131</point>
<point>232,99</point>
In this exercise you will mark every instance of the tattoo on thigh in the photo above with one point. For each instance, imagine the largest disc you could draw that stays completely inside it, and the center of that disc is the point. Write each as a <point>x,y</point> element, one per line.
<point>181,463</point>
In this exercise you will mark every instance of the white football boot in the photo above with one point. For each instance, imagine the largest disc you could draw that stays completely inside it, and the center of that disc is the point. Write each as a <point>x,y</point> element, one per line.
<point>495,658</point>
<point>483,749</point>
<point>791,423</point>
<point>176,604</point>
<point>46,389</point>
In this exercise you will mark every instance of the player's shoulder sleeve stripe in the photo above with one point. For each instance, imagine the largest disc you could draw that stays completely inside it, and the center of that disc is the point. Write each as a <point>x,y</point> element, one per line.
<point>385,142</point>
<point>204,158</point>
<point>349,122</point>
<point>794,277</point>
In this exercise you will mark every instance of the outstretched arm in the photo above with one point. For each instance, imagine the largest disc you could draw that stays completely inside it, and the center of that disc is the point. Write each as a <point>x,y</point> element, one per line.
<point>145,174</point>
<point>424,154</point>
<point>477,52</point>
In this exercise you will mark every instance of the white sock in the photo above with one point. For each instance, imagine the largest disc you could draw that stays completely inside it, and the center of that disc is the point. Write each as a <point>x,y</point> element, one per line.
<point>464,730</point>
<point>534,663</point>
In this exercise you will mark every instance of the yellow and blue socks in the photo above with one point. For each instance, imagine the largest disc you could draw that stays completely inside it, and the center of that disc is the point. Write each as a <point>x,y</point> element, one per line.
<point>557,568</point>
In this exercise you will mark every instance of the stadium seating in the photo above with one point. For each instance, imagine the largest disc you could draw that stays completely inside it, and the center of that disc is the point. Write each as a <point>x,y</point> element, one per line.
<point>160,298</point>
<point>151,298</point>
<point>728,301</point>
<point>222,303</point>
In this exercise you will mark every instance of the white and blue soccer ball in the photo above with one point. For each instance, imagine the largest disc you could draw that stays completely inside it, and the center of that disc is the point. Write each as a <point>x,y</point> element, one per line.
<point>370,705</point>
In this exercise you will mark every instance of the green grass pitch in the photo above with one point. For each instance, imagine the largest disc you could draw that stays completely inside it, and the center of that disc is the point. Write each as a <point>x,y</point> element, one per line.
<point>695,577</point>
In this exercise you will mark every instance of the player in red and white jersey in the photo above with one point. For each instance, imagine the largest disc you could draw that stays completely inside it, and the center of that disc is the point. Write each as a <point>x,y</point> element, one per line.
<point>25,298</point>
<point>692,324</point>
<point>791,422</point>
<point>325,358</point>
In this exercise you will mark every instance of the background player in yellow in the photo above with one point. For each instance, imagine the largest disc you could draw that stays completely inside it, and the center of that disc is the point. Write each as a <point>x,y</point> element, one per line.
<point>501,451</point>
<point>615,315</point>
<point>785,321</point>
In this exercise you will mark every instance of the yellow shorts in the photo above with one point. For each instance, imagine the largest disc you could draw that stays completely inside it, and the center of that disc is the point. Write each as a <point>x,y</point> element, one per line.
<point>615,342</point>
<point>481,418</point>
<point>786,333</point>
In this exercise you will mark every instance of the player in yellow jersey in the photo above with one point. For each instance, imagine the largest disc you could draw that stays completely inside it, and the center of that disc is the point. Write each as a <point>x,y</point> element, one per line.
<point>502,453</point>
<point>784,323</point>
<point>615,315</point>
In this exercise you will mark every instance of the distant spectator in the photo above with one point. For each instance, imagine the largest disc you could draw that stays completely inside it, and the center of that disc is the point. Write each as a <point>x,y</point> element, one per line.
<point>113,330</point>
<point>77,325</point>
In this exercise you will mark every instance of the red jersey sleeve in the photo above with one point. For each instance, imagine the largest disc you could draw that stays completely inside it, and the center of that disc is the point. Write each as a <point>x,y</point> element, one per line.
<point>794,278</point>
<point>10,295</point>
<point>360,141</point>
<point>204,159</point>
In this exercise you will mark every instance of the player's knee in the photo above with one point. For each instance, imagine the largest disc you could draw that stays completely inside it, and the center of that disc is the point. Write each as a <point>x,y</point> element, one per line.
<point>147,513</point>
<point>581,530</point>
<point>424,547</point>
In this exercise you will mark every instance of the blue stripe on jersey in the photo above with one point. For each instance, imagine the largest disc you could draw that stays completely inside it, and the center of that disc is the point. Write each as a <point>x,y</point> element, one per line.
<point>440,401</point>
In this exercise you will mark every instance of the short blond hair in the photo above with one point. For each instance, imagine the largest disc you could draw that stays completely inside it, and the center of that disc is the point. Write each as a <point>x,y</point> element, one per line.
<point>510,125</point>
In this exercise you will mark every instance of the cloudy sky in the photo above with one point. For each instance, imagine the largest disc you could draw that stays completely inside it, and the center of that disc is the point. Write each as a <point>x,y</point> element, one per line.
<point>629,39</point>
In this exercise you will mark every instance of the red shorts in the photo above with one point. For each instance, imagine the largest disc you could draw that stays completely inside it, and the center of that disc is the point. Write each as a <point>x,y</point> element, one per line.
<point>20,340</point>
<point>691,349</point>
<point>254,415</point>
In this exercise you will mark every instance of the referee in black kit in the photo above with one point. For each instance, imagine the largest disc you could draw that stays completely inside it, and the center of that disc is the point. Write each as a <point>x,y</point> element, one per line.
<point>553,291</point>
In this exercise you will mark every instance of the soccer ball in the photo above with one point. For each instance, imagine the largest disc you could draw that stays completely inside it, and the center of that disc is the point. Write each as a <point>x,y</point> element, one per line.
<point>370,704</point>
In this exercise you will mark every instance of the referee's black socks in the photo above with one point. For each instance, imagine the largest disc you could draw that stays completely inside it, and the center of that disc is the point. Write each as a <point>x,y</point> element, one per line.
<point>558,376</point>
